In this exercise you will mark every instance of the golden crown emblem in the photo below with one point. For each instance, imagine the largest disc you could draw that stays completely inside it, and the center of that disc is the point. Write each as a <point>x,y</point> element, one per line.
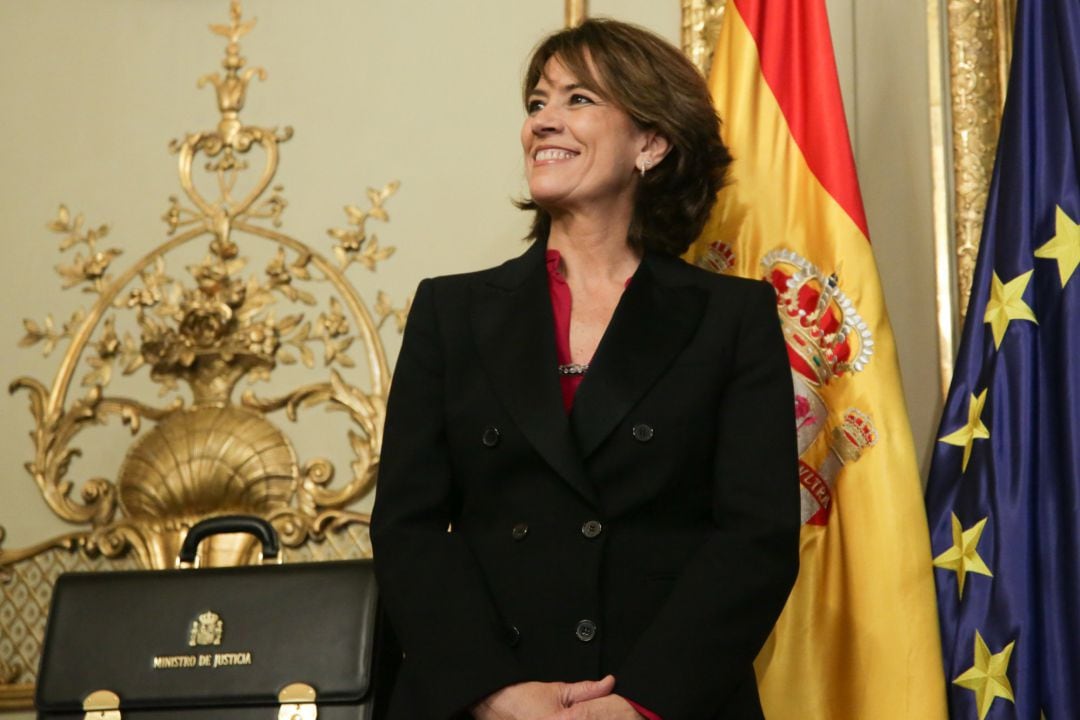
<point>825,334</point>
<point>854,435</point>
<point>206,629</point>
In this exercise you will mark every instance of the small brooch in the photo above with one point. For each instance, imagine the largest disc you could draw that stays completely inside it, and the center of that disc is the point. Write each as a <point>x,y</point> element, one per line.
<point>573,369</point>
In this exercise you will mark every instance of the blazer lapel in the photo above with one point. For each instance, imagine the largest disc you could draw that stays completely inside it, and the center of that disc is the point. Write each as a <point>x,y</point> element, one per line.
<point>653,322</point>
<point>514,328</point>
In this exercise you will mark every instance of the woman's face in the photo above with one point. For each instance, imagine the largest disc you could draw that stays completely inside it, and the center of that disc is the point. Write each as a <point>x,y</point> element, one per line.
<point>580,149</point>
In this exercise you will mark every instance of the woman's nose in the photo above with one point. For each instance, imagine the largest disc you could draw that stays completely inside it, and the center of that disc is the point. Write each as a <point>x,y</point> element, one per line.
<point>546,120</point>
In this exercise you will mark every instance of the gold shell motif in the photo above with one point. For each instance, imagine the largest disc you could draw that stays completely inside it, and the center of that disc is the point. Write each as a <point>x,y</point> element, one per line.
<point>208,461</point>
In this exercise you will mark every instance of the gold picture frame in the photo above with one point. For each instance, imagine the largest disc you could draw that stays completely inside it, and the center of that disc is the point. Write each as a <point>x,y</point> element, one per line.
<point>970,47</point>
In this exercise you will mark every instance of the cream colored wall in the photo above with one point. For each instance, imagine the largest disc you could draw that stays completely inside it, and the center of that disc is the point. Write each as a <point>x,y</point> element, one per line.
<point>891,134</point>
<point>423,92</point>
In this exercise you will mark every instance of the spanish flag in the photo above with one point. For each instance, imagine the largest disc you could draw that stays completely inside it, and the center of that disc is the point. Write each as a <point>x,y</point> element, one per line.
<point>858,638</point>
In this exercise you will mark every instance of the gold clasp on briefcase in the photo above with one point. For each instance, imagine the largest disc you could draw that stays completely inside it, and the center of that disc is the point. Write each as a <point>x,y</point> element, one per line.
<point>101,705</point>
<point>297,702</point>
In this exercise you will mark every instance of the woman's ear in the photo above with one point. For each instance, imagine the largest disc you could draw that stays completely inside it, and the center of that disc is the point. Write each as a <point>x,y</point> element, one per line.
<point>656,148</point>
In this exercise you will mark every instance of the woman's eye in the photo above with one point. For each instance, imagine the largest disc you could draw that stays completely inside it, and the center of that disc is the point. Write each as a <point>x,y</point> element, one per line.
<point>534,106</point>
<point>580,100</point>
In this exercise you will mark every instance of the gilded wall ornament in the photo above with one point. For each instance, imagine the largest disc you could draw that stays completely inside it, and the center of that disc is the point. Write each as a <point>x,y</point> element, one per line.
<point>970,48</point>
<point>978,41</point>
<point>203,326</point>
<point>701,20</point>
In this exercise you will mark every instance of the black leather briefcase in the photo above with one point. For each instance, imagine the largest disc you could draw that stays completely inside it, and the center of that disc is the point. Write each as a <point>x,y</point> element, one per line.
<point>294,641</point>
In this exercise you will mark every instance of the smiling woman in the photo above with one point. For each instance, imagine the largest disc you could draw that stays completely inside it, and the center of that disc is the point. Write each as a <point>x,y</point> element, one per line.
<point>581,149</point>
<point>649,92</point>
<point>587,418</point>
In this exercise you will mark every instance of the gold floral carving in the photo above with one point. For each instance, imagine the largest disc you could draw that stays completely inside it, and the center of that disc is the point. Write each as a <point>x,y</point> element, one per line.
<point>203,326</point>
<point>701,21</point>
<point>978,38</point>
<point>252,303</point>
<point>970,46</point>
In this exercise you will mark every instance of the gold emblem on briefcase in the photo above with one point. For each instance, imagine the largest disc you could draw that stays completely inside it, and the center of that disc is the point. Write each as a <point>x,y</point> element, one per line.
<point>206,629</point>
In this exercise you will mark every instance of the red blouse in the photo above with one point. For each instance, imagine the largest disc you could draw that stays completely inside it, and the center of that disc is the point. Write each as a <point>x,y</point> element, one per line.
<point>561,303</point>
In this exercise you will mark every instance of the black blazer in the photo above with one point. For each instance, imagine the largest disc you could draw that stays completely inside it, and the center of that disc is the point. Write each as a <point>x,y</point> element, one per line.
<point>652,534</point>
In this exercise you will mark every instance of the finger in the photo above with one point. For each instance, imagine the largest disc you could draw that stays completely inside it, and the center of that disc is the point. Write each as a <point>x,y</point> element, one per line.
<point>587,690</point>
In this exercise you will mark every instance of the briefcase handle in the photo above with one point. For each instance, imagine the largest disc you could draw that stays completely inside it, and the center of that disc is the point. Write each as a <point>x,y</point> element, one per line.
<point>223,524</point>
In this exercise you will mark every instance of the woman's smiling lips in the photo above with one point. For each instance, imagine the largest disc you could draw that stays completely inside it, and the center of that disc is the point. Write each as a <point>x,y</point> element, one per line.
<point>553,154</point>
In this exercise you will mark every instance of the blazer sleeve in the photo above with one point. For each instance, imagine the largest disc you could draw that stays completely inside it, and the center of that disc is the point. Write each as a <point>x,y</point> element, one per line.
<point>430,583</point>
<point>700,648</point>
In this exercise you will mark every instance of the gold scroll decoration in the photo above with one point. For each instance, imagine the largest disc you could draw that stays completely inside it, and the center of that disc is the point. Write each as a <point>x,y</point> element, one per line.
<point>701,20</point>
<point>976,55</point>
<point>970,47</point>
<point>226,298</point>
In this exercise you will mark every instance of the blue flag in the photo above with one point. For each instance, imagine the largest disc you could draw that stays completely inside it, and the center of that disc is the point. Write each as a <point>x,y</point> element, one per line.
<point>1003,499</point>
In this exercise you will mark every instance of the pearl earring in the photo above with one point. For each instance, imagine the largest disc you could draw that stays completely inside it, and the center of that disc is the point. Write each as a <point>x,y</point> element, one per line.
<point>643,165</point>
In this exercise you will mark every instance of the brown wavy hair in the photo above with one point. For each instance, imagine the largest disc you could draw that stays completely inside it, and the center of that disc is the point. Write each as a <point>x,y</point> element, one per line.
<point>654,83</point>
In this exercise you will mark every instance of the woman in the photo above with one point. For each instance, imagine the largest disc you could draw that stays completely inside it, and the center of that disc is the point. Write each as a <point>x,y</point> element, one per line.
<point>606,431</point>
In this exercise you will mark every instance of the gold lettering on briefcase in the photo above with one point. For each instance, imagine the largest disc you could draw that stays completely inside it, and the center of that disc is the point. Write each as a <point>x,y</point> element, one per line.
<point>236,658</point>
<point>169,662</point>
<point>206,629</point>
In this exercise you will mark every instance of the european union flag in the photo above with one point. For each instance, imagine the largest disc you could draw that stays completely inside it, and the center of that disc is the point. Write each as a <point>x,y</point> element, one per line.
<point>1003,499</point>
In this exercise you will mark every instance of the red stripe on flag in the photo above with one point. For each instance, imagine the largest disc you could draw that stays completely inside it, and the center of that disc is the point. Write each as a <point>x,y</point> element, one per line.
<point>797,60</point>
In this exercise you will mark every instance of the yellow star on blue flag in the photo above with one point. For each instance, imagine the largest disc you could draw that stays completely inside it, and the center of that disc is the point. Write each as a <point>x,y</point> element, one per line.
<point>987,677</point>
<point>971,431</point>
<point>963,556</point>
<point>1007,304</point>
<point>1064,246</point>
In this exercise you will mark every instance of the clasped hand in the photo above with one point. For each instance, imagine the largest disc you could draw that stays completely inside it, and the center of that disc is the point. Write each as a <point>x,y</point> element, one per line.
<point>585,700</point>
